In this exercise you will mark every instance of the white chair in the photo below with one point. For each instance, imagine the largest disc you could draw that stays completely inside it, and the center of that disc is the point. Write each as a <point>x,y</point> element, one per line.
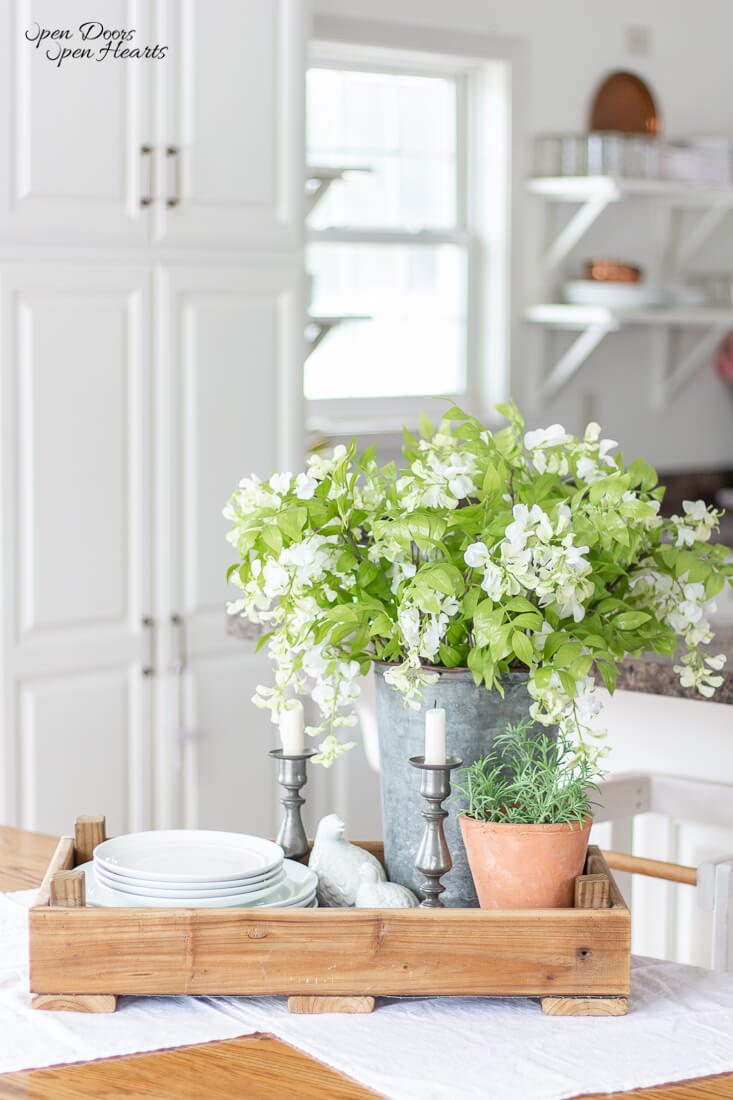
<point>691,800</point>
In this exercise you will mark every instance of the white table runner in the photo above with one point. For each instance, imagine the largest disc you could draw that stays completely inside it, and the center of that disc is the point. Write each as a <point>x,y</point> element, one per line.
<point>680,1025</point>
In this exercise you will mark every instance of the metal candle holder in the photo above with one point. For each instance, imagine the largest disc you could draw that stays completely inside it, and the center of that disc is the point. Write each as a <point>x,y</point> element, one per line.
<point>433,858</point>
<point>292,774</point>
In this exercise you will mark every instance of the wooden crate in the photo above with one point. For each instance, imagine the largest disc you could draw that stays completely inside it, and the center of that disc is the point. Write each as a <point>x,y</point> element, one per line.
<point>576,960</point>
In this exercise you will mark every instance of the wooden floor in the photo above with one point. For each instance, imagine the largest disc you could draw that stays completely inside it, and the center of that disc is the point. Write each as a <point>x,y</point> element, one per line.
<point>252,1068</point>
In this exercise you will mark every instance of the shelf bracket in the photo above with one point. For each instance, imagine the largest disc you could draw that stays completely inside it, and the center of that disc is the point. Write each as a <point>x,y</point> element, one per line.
<point>578,225</point>
<point>572,360</point>
<point>323,178</point>
<point>706,224</point>
<point>677,375</point>
<point>321,327</point>
<point>312,198</point>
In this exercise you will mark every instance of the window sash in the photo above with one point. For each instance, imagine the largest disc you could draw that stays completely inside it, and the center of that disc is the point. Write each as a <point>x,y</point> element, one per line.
<point>387,413</point>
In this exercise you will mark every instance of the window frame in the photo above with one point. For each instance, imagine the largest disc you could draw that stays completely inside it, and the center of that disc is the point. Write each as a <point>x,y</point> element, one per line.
<point>350,45</point>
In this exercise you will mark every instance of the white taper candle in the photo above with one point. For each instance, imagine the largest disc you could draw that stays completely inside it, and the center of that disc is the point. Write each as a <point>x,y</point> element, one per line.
<point>292,729</point>
<point>435,736</point>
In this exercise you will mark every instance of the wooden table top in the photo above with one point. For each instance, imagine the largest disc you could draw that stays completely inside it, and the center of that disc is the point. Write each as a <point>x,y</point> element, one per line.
<point>256,1067</point>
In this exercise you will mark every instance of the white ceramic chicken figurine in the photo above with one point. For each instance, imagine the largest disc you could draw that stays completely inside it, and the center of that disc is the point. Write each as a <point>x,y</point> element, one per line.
<point>374,893</point>
<point>337,863</point>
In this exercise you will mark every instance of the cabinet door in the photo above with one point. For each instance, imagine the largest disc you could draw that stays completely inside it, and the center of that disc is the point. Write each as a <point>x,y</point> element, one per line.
<point>231,397</point>
<point>234,91</point>
<point>76,537</point>
<point>72,129</point>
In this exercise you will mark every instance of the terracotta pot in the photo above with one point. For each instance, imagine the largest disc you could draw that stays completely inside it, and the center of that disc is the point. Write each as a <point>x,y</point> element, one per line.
<point>524,866</point>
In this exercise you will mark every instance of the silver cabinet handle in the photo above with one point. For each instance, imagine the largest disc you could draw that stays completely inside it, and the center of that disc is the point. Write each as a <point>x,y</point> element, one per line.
<point>173,153</point>
<point>148,151</point>
<point>178,652</point>
<point>149,668</point>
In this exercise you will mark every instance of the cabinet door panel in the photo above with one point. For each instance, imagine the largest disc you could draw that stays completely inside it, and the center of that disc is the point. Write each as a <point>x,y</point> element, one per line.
<point>71,132</point>
<point>234,95</point>
<point>74,751</point>
<point>234,384</point>
<point>77,555</point>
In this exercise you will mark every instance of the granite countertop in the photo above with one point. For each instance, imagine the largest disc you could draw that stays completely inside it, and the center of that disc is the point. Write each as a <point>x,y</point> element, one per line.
<point>653,673</point>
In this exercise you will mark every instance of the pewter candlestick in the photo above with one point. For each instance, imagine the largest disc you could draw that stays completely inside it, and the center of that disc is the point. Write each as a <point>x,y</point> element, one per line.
<point>292,774</point>
<point>433,858</point>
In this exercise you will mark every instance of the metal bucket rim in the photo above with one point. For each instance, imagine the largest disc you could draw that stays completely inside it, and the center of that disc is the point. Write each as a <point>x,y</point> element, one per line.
<point>459,671</point>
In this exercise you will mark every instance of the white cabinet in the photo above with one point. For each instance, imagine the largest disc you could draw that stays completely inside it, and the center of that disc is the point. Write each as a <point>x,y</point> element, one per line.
<point>232,391</point>
<point>231,140</point>
<point>134,395</point>
<point>76,533</point>
<point>201,146</point>
<point>129,417</point>
<point>71,133</point>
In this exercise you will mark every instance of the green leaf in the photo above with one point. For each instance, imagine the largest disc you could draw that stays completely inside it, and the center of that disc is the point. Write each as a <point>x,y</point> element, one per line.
<point>471,601</point>
<point>567,681</point>
<point>636,471</point>
<point>580,667</point>
<point>629,620</point>
<point>713,585</point>
<point>499,644</point>
<point>425,424</point>
<point>649,479</point>
<point>567,653</point>
<point>450,656</point>
<point>522,647</point>
<point>608,674</point>
<point>292,521</point>
<point>492,482</point>
<point>381,625</point>
<point>366,573</point>
<point>518,603</point>
<point>527,621</point>
<point>554,641</point>
<point>454,413</point>
<point>543,676</point>
<point>340,631</point>
<point>476,664</point>
<point>272,538</point>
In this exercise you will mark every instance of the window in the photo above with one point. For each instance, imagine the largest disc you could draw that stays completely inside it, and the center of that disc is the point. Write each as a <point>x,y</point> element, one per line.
<point>397,261</point>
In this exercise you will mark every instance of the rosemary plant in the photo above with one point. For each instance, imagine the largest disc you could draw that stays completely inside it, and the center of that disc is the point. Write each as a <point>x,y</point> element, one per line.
<point>529,778</point>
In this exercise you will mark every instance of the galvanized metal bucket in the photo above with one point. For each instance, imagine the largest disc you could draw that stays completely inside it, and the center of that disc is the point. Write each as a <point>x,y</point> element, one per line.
<point>474,717</point>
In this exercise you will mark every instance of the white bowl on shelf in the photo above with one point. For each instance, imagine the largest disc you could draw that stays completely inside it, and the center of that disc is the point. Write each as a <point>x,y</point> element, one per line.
<point>591,292</point>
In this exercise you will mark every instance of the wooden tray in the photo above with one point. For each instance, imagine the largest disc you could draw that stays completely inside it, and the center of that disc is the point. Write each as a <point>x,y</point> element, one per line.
<point>326,960</point>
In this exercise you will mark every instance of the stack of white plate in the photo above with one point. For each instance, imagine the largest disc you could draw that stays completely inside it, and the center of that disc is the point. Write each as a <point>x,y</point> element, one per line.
<point>191,868</point>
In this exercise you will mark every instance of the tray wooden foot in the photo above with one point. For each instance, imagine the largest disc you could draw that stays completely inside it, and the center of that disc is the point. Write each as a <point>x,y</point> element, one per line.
<point>585,1006</point>
<point>330,1004</point>
<point>80,1002</point>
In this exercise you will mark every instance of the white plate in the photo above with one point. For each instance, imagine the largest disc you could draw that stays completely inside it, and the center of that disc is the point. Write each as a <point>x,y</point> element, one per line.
<point>189,855</point>
<point>298,890</point>
<point>591,292</point>
<point>249,890</point>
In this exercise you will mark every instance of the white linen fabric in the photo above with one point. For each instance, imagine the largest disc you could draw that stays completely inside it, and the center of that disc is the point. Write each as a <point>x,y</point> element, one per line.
<point>680,1025</point>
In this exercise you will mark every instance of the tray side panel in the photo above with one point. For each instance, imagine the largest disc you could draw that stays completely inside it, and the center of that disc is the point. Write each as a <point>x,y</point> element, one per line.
<point>331,952</point>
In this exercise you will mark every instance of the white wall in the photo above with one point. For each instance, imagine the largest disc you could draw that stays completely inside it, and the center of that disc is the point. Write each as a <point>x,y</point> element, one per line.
<point>563,50</point>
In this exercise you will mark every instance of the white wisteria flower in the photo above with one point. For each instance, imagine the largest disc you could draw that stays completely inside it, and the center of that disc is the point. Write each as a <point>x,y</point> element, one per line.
<point>535,550</point>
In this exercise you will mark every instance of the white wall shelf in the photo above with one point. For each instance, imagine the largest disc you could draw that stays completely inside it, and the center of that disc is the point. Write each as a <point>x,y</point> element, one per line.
<point>594,323</point>
<point>595,193</point>
<point>615,188</point>
<point>579,317</point>
<point>592,195</point>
